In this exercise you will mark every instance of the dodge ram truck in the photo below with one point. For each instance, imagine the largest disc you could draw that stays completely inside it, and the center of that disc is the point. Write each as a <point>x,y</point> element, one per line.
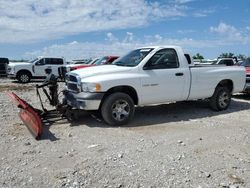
<point>25,71</point>
<point>150,75</point>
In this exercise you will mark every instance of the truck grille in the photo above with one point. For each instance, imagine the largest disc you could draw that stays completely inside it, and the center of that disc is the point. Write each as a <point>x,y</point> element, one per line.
<point>72,87</point>
<point>71,78</point>
<point>72,83</point>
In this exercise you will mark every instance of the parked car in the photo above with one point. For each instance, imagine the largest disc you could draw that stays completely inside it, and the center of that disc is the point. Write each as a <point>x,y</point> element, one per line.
<point>150,75</point>
<point>3,66</point>
<point>83,65</point>
<point>81,61</point>
<point>205,61</point>
<point>246,64</point>
<point>106,60</point>
<point>102,61</point>
<point>67,68</point>
<point>225,61</point>
<point>97,61</point>
<point>35,69</point>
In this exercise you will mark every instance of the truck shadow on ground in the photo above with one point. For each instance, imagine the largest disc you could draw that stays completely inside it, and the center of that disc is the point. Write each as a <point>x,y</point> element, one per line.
<point>243,96</point>
<point>166,113</point>
<point>52,118</point>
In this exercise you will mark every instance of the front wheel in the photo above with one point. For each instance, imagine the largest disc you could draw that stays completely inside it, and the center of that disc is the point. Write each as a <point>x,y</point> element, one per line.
<point>24,77</point>
<point>117,109</point>
<point>221,99</point>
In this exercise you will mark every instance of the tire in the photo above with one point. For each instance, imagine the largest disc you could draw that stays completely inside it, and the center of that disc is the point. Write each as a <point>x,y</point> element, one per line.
<point>24,77</point>
<point>221,99</point>
<point>117,109</point>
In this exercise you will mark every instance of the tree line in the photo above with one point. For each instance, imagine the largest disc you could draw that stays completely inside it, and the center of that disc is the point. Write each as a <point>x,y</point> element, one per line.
<point>198,56</point>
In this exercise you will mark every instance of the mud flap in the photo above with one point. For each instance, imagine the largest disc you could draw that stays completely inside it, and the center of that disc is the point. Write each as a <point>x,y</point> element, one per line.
<point>28,115</point>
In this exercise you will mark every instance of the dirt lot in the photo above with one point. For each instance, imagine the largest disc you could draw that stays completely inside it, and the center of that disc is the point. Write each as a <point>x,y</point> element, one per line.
<point>176,145</point>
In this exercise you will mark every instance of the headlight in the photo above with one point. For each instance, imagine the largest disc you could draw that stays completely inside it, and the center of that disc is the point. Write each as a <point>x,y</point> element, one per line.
<point>11,69</point>
<point>91,87</point>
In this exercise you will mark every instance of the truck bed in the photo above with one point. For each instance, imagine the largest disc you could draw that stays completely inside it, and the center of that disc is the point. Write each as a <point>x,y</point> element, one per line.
<point>204,79</point>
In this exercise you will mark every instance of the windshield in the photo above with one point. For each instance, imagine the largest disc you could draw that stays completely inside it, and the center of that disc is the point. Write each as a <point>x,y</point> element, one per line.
<point>32,61</point>
<point>92,62</point>
<point>133,58</point>
<point>101,61</point>
<point>246,63</point>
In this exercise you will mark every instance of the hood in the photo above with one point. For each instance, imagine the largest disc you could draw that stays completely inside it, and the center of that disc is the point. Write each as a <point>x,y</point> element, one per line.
<point>19,63</point>
<point>98,70</point>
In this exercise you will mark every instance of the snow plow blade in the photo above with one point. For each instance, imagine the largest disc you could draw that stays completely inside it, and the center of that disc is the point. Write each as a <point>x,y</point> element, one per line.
<point>28,115</point>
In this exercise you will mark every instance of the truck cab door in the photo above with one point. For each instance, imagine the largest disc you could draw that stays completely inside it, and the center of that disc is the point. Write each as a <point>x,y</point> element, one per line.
<point>54,64</point>
<point>39,67</point>
<point>164,80</point>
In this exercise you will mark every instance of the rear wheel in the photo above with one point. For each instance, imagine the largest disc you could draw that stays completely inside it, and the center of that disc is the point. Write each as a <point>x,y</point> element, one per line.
<point>24,77</point>
<point>221,99</point>
<point>117,109</point>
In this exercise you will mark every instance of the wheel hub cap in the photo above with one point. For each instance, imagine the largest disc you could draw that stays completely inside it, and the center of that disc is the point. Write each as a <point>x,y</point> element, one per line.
<point>120,110</point>
<point>24,78</point>
<point>224,99</point>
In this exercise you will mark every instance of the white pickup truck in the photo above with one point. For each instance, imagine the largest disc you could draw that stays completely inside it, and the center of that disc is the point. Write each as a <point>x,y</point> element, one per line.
<point>24,71</point>
<point>150,75</point>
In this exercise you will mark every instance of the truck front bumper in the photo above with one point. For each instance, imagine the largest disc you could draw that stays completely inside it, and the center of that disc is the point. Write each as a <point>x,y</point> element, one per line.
<point>84,101</point>
<point>11,76</point>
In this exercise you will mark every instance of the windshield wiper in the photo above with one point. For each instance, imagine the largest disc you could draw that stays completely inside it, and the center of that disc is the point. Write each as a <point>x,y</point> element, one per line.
<point>119,63</point>
<point>123,64</point>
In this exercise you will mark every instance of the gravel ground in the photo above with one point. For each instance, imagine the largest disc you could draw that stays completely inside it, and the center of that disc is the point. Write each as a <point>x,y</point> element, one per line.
<point>176,145</point>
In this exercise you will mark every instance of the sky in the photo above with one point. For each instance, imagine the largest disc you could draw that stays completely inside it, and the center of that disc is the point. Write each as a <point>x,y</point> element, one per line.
<point>77,29</point>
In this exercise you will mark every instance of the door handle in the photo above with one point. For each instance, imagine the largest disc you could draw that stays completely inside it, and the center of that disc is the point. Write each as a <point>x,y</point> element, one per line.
<point>179,74</point>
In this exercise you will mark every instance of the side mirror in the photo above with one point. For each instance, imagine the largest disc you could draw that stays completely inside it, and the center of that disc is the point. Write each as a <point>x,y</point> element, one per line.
<point>40,63</point>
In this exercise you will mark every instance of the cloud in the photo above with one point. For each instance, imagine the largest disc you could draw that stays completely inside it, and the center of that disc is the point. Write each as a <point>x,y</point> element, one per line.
<point>129,38</point>
<point>111,38</point>
<point>76,50</point>
<point>223,28</point>
<point>116,46</point>
<point>187,31</point>
<point>82,50</point>
<point>31,21</point>
<point>230,34</point>
<point>183,1</point>
<point>203,13</point>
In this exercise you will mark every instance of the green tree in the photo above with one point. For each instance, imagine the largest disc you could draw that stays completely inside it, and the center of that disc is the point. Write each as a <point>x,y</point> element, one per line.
<point>198,56</point>
<point>241,56</point>
<point>226,55</point>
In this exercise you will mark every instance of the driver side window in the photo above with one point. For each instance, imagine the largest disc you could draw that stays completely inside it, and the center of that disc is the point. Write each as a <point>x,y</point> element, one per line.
<point>163,59</point>
<point>40,62</point>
